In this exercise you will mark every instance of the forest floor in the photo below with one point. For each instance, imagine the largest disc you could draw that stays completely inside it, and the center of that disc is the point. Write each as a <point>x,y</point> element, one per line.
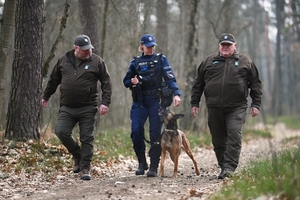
<point>118,181</point>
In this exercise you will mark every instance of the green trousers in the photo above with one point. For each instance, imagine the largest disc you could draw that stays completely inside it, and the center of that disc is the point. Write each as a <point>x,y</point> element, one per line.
<point>225,126</point>
<point>85,117</point>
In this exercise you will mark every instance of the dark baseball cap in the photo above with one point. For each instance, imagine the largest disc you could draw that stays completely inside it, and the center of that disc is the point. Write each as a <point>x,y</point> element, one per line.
<point>84,42</point>
<point>148,40</point>
<point>227,38</point>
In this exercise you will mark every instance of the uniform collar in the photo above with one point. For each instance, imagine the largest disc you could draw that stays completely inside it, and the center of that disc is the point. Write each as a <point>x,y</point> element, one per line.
<point>235,55</point>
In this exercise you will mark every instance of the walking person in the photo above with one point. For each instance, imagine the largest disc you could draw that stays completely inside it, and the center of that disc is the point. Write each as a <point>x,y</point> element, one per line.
<point>78,72</point>
<point>144,78</point>
<point>226,78</point>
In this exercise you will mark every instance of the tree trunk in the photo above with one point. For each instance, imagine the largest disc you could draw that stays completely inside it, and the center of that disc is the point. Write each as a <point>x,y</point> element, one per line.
<point>23,117</point>
<point>6,37</point>
<point>278,87</point>
<point>89,17</point>
<point>87,10</point>
<point>103,35</point>
<point>268,50</point>
<point>162,28</point>
<point>295,6</point>
<point>191,55</point>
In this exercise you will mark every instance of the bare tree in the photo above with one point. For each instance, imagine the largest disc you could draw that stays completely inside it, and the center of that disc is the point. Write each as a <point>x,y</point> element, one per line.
<point>269,59</point>
<point>162,25</point>
<point>104,22</point>
<point>295,6</point>
<point>294,53</point>
<point>63,22</point>
<point>122,23</point>
<point>23,117</point>
<point>278,89</point>
<point>6,36</point>
<point>191,52</point>
<point>89,17</point>
<point>226,17</point>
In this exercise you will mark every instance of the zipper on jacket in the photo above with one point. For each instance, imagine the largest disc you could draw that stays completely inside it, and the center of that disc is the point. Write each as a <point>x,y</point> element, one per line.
<point>217,61</point>
<point>223,80</point>
<point>90,94</point>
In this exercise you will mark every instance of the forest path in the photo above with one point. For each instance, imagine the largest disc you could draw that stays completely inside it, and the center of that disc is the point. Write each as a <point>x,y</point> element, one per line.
<point>120,182</point>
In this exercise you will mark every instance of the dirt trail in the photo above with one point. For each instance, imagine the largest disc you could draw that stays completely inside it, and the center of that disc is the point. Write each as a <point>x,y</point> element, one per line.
<point>119,181</point>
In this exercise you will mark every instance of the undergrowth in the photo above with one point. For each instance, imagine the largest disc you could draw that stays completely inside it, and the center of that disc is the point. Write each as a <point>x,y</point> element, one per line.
<point>277,177</point>
<point>291,122</point>
<point>264,177</point>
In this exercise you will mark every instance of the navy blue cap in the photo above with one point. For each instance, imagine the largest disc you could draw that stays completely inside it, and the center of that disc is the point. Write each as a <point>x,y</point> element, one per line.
<point>148,40</point>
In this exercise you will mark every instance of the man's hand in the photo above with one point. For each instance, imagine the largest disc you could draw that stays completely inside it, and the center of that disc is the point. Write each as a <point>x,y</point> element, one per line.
<point>194,111</point>
<point>176,101</point>
<point>135,80</point>
<point>254,111</point>
<point>103,109</point>
<point>44,103</point>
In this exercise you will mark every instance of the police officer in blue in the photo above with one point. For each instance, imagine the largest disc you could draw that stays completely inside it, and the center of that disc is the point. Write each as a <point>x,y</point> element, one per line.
<point>144,78</point>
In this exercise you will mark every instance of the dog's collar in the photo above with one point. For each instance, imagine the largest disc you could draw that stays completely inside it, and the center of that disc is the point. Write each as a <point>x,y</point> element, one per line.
<point>171,127</point>
<point>170,130</point>
<point>167,129</point>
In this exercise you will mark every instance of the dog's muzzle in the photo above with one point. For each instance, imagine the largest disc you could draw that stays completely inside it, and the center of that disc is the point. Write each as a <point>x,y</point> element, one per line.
<point>162,112</point>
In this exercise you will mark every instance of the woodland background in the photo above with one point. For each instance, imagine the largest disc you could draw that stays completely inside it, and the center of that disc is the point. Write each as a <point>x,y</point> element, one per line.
<point>35,33</point>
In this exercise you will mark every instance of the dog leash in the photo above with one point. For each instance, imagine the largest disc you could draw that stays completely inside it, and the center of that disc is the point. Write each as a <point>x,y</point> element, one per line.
<point>149,142</point>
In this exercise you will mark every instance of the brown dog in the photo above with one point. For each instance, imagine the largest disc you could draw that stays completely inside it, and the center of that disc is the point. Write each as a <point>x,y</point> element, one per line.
<point>172,140</point>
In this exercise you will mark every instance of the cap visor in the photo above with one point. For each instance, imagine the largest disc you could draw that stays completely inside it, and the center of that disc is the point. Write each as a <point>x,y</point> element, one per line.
<point>150,44</point>
<point>86,47</point>
<point>227,41</point>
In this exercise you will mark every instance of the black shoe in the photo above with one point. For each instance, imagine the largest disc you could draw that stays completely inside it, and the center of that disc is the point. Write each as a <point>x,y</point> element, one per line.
<point>153,169</point>
<point>225,173</point>
<point>76,167</point>
<point>152,173</point>
<point>141,169</point>
<point>142,164</point>
<point>85,174</point>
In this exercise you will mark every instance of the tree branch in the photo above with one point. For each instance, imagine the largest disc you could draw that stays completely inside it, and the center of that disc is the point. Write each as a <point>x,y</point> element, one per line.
<point>63,22</point>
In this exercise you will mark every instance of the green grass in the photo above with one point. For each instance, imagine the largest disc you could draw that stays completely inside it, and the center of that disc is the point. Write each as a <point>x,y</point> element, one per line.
<point>199,140</point>
<point>249,134</point>
<point>110,144</point>
<point>291,122</point>
<point>277,176</point>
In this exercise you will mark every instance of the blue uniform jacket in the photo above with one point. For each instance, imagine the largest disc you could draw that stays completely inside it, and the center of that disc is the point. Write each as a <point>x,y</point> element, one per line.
<point>163,65</point>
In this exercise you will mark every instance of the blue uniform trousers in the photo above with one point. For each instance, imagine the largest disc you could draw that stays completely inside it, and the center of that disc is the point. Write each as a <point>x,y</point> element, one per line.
<point>140,112</point>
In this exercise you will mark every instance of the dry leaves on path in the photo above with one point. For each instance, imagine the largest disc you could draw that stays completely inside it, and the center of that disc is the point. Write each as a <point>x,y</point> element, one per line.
<point>32,177</point>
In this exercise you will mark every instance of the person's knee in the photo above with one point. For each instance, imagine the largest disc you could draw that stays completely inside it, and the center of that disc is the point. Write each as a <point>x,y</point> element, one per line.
<point>61,134</point>
<point>87,139</point>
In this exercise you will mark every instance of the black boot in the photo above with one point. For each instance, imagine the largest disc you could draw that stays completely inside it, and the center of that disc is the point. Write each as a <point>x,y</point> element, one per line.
<point>153,170</point>
<point>142,164</point>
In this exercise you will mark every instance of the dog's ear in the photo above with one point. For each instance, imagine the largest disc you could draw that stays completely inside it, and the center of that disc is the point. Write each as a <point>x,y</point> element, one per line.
<point>178,116</point>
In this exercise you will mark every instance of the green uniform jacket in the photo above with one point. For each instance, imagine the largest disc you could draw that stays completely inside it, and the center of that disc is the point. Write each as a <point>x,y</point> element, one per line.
<point>78,85</point>
<point>226,82</point>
